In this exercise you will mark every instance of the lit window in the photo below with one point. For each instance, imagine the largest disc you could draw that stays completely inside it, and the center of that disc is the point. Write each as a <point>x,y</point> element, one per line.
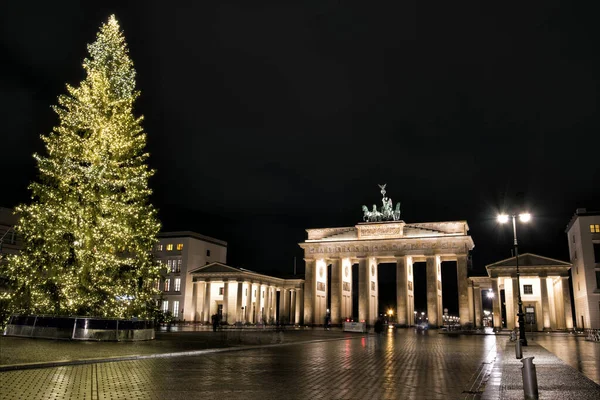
<point>177,284</point>
<point>159,247</point>
<point>169,247</point>
<point>167,285</point>
<point>207,253</point>
<point>180,246</point>
<point>221,290</point>
<point>595,228</point>
<point>165,306</point>
<point>175,308</point>
<point>178,265</point>
<point>527,289</point>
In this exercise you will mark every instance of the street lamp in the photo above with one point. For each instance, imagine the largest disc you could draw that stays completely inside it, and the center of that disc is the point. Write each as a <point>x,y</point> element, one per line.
<point>523,217</point>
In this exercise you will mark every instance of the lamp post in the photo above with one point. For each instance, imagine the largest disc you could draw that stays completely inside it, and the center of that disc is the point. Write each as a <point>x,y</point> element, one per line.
<point>524,217</point>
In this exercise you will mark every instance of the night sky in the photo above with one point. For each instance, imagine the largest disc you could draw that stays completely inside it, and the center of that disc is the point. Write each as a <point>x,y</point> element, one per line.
<point>264,119</point>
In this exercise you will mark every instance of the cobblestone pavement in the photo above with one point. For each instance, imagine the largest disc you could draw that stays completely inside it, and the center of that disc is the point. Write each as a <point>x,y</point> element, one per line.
<point>16,350</point>
<point>555,378</point>
<point>580,354</point>
<point>399,365</point>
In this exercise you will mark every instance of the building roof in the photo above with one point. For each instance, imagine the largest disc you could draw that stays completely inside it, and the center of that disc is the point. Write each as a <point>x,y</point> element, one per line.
<point>194,235</point>
<point>219,271</point>
<point>531,264</point>
<point>580,212</point>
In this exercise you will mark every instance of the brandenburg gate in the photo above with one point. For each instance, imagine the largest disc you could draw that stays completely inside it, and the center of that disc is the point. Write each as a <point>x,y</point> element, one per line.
<point>383,238</point>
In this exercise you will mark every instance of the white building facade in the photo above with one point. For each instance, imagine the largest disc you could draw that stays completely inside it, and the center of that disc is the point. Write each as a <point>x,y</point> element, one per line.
<point>240,296</point>
<point>181,252</point>
<point>544,287</point>
<point>583,232</point>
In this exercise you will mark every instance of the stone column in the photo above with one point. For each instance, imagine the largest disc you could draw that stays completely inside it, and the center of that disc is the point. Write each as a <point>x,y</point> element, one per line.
<point>336,291</point>
<point>249,303</point>
<point>281,305</point>
<point>545,314</point>
<point>566,294</point>
<point>310,286</point>
<point>511,300</point>
<point>478,306</point>
<point>200,302</point>
<point>432,291</point>
<point>299,299</point>
<point>496,305</point>
<point>401,291</point>
<point>225,300</point>
<point>463,291</point>
<point>238,302</point>
<point>363,290</point>
<point>268,304</point>
<point>292,307</point>
<point>207,301</point>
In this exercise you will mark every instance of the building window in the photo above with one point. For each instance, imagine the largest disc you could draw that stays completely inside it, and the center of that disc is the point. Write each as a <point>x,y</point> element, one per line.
<point>165,306</point>
<point>575,255</point>
<point>178,265</point>
<point>159,247</point>
<point>577,270</point>
<point>167,285</point>
<point>177,284</point>
<point>157,284</point>
<point>207,253</point>
<point>221,290</point>
<point>595,228</point>
<point>573,238</point>
<point>597,252</point>
<point>179,246</point>
<point>597,279</point>
<point>170,247</point>
<point>175,308</point>
<point>527,289</point>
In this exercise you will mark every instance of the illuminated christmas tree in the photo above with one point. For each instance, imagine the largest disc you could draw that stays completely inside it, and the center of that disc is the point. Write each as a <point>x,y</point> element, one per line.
<point>89,231</point>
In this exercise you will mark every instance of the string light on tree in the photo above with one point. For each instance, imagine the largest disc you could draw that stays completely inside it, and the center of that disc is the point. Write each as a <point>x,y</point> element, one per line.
<point>89,230</point>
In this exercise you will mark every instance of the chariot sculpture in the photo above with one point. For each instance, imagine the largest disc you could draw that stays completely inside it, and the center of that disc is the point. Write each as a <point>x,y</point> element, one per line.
<point>387,213</point>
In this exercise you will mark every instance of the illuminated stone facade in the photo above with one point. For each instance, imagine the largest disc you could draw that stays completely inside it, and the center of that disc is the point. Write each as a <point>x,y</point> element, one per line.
<point>545,292</point>
<point>238,295</point>
<point>371,243</point>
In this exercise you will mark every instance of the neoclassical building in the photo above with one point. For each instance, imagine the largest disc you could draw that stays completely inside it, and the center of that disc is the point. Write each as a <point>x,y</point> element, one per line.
<point>197,284</point>
<point>545,293</point>
<point>238,295</point>
<point>372,243</point>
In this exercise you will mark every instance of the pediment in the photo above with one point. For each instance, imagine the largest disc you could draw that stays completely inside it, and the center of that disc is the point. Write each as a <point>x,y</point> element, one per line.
<point>529,260</point>
<point>213,268</point>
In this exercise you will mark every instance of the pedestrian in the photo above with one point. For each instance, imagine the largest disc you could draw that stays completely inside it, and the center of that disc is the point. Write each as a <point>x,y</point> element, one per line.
<point>215,322</point>
<point>378,328</point>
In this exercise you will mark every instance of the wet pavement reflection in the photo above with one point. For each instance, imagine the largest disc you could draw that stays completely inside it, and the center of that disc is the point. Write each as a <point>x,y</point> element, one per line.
<point>580,354</point>
<point>399,364</point>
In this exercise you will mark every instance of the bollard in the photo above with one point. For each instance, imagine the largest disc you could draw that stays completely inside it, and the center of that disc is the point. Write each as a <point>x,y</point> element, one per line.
<point>518,350</point>
<point>530,386</point>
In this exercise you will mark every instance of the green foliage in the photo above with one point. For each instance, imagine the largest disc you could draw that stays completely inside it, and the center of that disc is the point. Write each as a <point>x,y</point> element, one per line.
<point>89,231</point>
